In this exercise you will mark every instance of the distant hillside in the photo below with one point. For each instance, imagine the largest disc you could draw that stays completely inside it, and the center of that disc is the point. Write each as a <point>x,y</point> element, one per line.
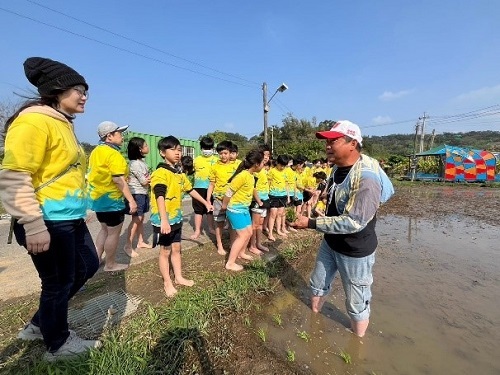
<point>402,144</point>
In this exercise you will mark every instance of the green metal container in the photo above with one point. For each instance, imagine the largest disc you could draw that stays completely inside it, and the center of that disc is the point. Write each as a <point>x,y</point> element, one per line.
<point>189,147</point>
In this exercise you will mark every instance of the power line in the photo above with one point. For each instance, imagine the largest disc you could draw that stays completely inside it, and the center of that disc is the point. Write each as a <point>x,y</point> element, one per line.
<point>123,49</point>
<point>141,43</point>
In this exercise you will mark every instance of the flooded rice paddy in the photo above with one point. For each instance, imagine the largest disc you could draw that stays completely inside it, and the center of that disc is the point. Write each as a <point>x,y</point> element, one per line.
<point>436,299</point>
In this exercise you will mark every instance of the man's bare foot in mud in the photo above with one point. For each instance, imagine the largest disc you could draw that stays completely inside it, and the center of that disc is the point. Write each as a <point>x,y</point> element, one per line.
<point>144,245</point>
<point>317,303</point>
<point>234,267</point>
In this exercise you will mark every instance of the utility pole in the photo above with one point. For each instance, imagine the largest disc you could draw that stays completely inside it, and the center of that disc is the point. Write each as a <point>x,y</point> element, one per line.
<point>413,163</point>
<point>266,109</point>
<point>422,134</point>
<point>272,140</point>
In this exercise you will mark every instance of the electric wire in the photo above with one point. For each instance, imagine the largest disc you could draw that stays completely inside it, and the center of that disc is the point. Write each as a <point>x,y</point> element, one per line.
<point>141,43</point>
<point>124,49</point>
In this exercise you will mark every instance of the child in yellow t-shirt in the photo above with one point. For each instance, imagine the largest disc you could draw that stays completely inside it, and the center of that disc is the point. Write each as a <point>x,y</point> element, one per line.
<point>237,201</point>
<point>219,175</point>
<point>202,167</point>
<point>260,205</point>
<point>167,185</point>
<point>278,196</point>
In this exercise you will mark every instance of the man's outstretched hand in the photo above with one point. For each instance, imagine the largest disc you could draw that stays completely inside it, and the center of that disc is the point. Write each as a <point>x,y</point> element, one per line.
<point>302,222</point>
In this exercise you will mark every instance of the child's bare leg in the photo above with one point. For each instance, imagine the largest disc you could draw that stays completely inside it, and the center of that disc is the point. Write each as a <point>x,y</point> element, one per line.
<point>164,263</point>
<point>131,231</point>
<point>280,218</point>
<point>258,235</point>
<point>211,223</point>
<point>273,214</point>
<point>141,243</point>
<point>197,226</point>
<point>256,224</point>
<point>242,237</point>
<point>218,238</point>
<point>242,254</point>
<point>175,258</point>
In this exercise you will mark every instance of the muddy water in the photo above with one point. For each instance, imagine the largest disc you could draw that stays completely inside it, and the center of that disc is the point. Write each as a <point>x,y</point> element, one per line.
<point>436,306</point>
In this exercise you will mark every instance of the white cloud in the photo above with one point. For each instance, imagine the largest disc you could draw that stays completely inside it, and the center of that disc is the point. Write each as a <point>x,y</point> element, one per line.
<point>482,94</point>
<point>389,95</point>
<point>379,120</point>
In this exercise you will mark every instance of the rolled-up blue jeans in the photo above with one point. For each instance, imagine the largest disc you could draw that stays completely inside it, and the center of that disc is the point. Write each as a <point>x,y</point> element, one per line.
<point>63,269</point>
<point>356,276</point>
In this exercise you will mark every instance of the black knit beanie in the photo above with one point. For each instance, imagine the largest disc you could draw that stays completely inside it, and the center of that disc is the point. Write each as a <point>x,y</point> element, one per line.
<point>49,75</point>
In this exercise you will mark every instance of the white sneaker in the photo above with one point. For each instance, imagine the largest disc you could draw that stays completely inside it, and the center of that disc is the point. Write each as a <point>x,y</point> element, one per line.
<point>73,347</point>
<point>30,332</point>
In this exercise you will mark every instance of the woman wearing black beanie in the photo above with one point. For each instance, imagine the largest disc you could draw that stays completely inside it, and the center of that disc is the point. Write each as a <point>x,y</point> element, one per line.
<point>42,185</point>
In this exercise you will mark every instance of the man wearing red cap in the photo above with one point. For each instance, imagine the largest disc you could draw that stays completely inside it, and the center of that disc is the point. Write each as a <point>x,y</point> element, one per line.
<point>355,190</point>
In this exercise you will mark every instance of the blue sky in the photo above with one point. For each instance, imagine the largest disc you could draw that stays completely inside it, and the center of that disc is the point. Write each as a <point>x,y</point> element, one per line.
<point>381,64</point>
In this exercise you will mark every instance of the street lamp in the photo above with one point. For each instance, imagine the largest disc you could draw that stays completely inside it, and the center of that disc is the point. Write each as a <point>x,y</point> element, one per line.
<point>266,102</point>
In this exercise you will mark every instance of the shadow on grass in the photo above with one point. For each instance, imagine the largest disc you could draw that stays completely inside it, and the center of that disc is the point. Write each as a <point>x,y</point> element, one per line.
<point>177,348</point>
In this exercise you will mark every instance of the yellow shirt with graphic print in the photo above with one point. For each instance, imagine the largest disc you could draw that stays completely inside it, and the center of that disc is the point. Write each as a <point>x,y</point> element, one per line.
<point>277,183</point>
<point>241,186</point>
<point>220,174</point>
<point>106,162</point>
<point>176,184</point>
<point>202,168</point>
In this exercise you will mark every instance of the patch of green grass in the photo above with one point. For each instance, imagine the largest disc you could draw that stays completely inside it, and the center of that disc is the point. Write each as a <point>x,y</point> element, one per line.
<point>290,355</point>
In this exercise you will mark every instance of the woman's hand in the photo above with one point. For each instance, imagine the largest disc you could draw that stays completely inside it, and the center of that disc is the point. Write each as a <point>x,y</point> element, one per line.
<point>38,243</point>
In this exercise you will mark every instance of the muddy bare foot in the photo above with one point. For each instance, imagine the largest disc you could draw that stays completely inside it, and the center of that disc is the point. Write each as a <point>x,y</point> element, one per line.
<point>255,250</point>
<point>144,245</point>
<point>195,236</point>
<point>282,234</point>
<point>185,282</point>
<point>317,303</point>
<point>170,291</point>
<point>291,229</point>
<point>234,267</point>
<point>115,267</point>
<point>271,238</point>
<point>221,251</point>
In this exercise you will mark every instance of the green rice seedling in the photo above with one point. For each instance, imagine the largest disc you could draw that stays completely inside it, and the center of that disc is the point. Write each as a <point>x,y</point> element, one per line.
<point>247,321</point>
<point>277,318</point>
<point>345,356</point>
<point>290,355</point>
<point>304,336</point>
<point>262,334</point>
<point>290,214</point>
